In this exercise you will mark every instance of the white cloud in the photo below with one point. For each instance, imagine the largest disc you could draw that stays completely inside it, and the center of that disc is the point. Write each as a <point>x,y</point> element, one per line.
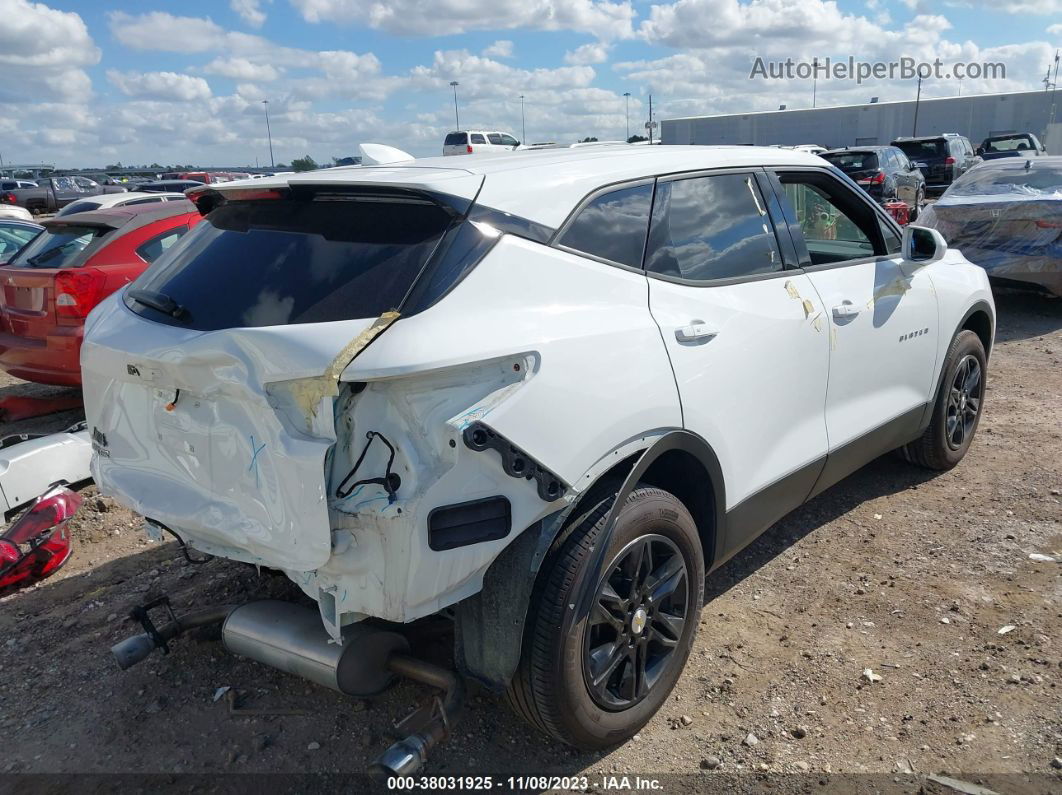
<point>601,18</point>
<point>242,69</point>
<point>250,11</point>
<point>503,48</point>
<point>596,52</point>
<point>1055,30</point>
<point>160,85</point>
<point>158,30</point>
<point>43,52</point>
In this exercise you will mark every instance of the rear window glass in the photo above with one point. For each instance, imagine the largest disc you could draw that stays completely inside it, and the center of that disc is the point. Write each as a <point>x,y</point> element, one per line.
<point>58,247</point>
<point>853,161</point>
<point>921,150</point>
<point>989,179</point>
<point>613,226</point>
<point>79,207</point>
<point>456,139</point>
<point>279,262</point>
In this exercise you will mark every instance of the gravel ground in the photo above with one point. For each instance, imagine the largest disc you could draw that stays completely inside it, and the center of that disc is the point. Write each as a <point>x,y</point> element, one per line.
<point>904,572</point>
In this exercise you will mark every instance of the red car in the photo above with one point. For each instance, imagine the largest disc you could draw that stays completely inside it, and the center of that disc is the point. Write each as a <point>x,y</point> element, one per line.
<point>48,288</point>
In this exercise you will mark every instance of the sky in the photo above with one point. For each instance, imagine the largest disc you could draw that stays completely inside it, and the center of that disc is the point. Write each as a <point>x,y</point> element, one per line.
<point>86,84</point>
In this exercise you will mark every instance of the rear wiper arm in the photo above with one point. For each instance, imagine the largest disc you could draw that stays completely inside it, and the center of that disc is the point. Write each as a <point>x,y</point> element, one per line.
<point>159,302</point>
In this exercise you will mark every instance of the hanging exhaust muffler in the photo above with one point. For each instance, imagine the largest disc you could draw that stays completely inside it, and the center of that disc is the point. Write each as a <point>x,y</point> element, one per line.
<point>291,638</point>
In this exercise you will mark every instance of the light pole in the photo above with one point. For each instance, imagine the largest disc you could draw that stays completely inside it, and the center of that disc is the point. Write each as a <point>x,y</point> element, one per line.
<point>918,99</point>
<point>269,134</point>
<point>523,121</point>
<point>457,119</point>
<point>627,97</point>
<point>814,81</point>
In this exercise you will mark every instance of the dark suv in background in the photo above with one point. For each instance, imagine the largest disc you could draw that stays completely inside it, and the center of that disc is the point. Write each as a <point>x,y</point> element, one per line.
<point>941,158</point>
<point>884,172</point>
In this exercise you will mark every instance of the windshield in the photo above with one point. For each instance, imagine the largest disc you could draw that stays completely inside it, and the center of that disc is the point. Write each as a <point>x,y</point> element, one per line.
<point>281,261</point>
<point>58,247</point>
<point>853,161</point>
<point>923,150</point>
<point>1038,182</point>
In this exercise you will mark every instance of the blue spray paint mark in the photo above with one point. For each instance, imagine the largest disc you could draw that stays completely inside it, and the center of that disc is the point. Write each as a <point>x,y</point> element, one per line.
<point>254,460</point>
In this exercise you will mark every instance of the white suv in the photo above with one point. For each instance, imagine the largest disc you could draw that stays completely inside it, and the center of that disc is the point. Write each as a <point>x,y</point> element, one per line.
<point>542,395</point>
<point>478,142</point>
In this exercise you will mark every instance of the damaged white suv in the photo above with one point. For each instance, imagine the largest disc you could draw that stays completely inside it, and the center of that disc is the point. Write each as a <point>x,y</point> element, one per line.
<point>543,394</point>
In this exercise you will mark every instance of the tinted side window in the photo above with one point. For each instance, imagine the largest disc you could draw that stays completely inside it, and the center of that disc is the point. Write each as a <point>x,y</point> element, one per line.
<point>508,140</point>
<point>495,138</point>
<point>712,227</point>
<point>152,249</point>
<point>613,226</point>
<point>478,139</point>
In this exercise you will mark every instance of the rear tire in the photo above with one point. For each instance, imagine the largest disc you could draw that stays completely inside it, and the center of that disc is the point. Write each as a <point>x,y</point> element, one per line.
<point>584,688</point>
<point>957,409</point>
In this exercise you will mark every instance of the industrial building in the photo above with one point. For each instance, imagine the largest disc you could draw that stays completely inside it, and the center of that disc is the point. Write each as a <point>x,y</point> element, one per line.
<point>976,116</point>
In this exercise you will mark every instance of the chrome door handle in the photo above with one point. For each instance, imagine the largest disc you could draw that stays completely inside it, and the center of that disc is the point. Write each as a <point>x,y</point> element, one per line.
<point>846,310</point>
<point>694,331</point>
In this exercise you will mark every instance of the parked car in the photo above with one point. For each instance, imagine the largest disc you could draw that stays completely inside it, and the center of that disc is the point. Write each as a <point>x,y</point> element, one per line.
<point>1013,145</point>
<point>811,149</point>
<point>884,172</point>
<point>53,193</point>
<point>1006,216</point>
<point>490,402</point>
<point>168,186</point>
<point>16,184</point>
<point>48,288</point>
<point>478,142</point>
<point>119,200</point>
<point>941,158</point>
<point>14,234</point>
<point>14,211</point>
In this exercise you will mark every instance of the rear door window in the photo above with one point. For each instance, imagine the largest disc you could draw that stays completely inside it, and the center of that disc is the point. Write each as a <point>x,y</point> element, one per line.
<point>478,138</point>
<point>612,226</point>
<point>152,249</point>
<point>295,260</point>
<point>713,227</point>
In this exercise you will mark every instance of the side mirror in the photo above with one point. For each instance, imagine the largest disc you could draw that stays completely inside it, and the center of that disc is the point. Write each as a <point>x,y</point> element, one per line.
<point>921,244</point>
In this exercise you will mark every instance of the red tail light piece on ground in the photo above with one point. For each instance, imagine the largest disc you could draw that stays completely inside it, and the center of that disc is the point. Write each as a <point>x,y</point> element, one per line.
<point>38,543</point>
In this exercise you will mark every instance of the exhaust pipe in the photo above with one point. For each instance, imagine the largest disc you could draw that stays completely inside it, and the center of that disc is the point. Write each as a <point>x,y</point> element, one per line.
<point>130,651</point>
<point>406,756</point>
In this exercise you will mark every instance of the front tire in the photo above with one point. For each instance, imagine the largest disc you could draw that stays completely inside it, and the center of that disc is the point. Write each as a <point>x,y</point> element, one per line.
<point>957,409</point>
<point>599,685</point>
<point>920,200</point>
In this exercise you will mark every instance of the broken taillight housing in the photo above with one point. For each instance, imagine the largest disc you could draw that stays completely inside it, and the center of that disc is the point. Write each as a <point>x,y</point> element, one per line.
<point>77,291</point>
<point>38,543</point>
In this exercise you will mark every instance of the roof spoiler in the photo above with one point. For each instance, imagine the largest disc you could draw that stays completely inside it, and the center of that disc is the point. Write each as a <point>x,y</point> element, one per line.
<point>381,155</point>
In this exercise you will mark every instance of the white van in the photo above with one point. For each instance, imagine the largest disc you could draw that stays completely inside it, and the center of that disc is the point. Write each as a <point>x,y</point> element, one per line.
<point>477,142</point>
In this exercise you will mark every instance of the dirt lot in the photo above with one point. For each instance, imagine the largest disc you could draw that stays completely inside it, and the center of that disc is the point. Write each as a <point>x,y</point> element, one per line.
<point>909,574</point>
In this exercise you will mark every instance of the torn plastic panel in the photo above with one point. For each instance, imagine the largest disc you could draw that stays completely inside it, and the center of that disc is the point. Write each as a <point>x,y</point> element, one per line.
<point>1006,216</point>
<point>515,462</point>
